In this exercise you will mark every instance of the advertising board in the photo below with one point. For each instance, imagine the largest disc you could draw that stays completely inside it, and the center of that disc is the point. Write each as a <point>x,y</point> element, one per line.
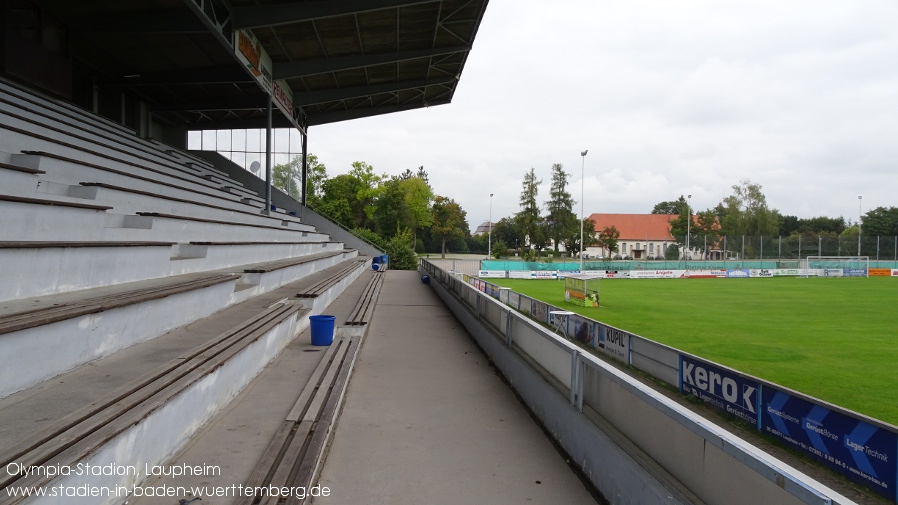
<point>514,300</point>
<point>581,329</point>
<point>617,274</point>
<point>706,274</point>
<point>540,274</point>
<point>657,274</point>
<point>614,343</point>
<point>762,272</point>
<point>738,273</point>
<point>539,311</point>
<point>854,448</point>
<point>720,388</point>
<point>496,274</point>
<point>518,274</point>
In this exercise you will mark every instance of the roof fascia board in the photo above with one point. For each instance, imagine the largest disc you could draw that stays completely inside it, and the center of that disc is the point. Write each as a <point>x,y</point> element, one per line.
<point>335,117</point>
<point>293,69</point>
<point>324,96</point>
<point>272,15</point>
<point>212,75</point>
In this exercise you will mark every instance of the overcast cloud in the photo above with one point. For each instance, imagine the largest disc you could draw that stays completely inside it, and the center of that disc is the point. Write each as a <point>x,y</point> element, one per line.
<point>670,98</point>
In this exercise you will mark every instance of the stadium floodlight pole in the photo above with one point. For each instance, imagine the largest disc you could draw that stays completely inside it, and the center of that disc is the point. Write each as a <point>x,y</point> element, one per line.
<point>489,237</point>
<point>688,222</point>
<point>582,217</point>
<point>859,225</point>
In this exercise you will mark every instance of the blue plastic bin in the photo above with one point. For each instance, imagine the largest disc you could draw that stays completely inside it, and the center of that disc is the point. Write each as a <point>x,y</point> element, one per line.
<point>322,329</point>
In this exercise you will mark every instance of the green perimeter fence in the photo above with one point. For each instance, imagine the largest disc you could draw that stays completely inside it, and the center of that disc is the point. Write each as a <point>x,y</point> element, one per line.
<point>729,252</point>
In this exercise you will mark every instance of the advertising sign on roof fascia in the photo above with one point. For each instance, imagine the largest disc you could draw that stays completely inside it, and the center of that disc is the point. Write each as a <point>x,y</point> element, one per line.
<point>252,55</point>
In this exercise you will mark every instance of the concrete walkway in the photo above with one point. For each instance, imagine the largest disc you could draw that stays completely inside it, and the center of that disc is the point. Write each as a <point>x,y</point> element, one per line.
<point>426,420</point>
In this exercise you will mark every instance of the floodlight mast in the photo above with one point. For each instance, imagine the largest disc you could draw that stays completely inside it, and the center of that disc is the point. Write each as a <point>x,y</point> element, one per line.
<point>688,222</point>
<point>582,217</point>
<point>859,217</point>
<point>489,237</point>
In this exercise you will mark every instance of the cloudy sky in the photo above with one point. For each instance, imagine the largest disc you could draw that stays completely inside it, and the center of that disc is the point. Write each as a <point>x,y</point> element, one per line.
<point>670,98</point>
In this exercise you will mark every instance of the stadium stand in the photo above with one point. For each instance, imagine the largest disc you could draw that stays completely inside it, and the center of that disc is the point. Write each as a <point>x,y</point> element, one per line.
<point>135,276</point>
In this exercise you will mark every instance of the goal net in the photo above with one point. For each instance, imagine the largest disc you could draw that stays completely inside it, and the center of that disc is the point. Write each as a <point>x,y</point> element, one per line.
<point>837,266</point>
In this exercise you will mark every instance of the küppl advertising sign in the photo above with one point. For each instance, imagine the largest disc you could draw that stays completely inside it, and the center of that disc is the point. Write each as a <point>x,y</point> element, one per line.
<point>720,388</point>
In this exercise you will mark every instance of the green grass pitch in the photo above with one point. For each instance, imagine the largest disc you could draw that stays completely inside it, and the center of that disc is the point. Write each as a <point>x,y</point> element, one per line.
<point>832,338</point>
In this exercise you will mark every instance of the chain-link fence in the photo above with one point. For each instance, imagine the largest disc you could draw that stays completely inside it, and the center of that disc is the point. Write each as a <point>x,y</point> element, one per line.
<point>882,251</point>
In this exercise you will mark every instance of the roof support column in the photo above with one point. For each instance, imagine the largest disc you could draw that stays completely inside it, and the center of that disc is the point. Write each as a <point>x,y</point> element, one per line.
<point>305,165</point>
<point>268,181</point>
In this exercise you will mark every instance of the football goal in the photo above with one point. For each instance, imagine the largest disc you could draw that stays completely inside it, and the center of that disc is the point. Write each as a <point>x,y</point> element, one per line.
<point>837,266</point>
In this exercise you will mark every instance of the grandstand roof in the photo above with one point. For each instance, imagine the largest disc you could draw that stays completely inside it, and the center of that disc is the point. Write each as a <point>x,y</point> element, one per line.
<point>342,59</point>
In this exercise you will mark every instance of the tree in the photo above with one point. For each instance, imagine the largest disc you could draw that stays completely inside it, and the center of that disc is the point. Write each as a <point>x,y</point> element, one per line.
<point>368,187</point>
<point>399,249</point>
<point>746,212</point>
<point>561,222</point>
<point>508,231</point>
<point>572,243</point>
<point>339,200</point>
<point>608,239</point>
<point>316,174</point>
<point>391,210</point>
<point>449,222</point>
<point>880,221</point>
<point>499,249</point>
<point>418,197</point>
<point>822,225</point>
<point>528,218</point>
<point>672,207</point>
<point>789,225</point>
<point>286,177</point>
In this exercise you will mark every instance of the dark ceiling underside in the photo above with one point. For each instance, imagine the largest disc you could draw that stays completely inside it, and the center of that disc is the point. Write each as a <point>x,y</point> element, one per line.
<point>343,59</point>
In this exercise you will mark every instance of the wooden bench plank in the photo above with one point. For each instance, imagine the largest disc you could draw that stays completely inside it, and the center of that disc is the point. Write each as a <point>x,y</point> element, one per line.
<point>315,290</point>
<point>17,168</point>
<point>228,223</point>
<point>289,262</point>
<point>38,317</point>
<point>40,201</point>
<point>67,448</point>
<point>68,244</point>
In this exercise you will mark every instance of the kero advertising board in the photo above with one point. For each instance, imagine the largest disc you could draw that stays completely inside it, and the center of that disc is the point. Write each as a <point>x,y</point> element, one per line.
<point>860,451</point>
<point>720,388</point>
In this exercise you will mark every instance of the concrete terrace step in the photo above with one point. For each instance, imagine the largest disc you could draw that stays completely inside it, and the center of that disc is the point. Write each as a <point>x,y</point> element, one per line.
<point>142,404</point>
<point>75,131</point>
<point>55,333</point>
<point>73,171</point>
<point>32,269</point>
<point>300,393</point>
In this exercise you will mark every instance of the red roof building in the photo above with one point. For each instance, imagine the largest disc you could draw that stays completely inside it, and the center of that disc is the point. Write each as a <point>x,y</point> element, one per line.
<point>641,235</point>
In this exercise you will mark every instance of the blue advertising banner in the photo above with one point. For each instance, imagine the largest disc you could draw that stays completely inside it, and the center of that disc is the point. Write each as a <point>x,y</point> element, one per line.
<point>720,388</point>
<point>862,452</point>
<point>854,272</point>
